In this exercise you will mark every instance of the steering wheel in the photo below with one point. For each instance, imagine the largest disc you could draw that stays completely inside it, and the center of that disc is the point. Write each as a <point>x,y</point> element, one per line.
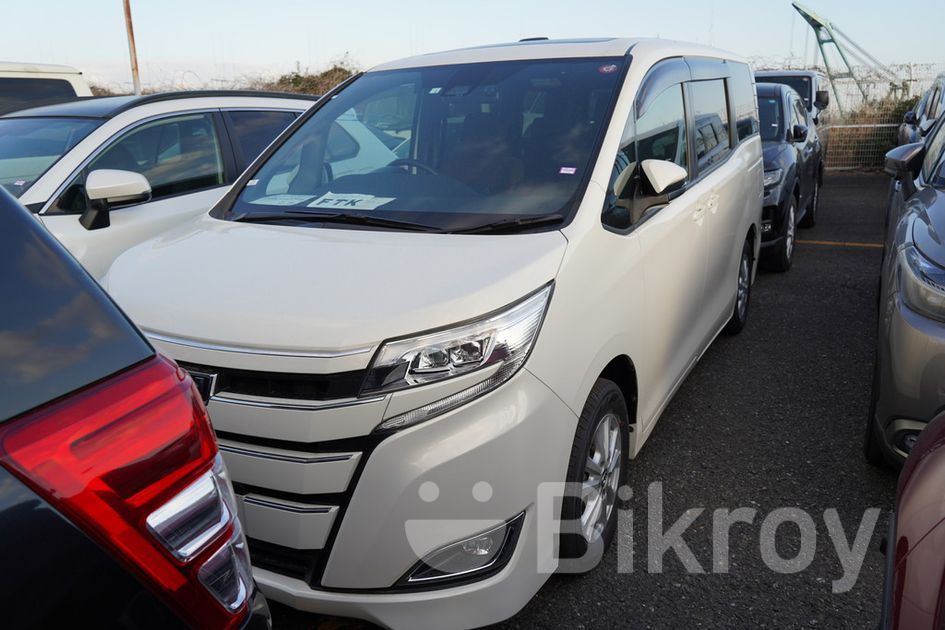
<point>415,164</point>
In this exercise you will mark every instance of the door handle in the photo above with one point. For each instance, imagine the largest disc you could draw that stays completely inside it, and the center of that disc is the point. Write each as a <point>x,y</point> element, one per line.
<point>698,214</point>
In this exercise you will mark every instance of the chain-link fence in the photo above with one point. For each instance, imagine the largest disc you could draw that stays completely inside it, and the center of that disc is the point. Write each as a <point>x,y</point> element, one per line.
<point>863,119</point>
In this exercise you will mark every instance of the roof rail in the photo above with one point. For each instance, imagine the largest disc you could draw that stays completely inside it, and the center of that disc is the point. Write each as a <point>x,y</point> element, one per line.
<point>533,39</point>
<point>170,96</point>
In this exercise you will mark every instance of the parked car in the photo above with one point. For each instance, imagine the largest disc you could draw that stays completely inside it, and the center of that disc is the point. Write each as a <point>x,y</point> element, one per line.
<point>104,174</point>
<point>918,121</point>
<point>909,373</point>
<point>540,257</point>
<point>794,171</point>
<point>915,543</point>
<point>115,506</point>
<point>30,84</point>
<point>810,84</point>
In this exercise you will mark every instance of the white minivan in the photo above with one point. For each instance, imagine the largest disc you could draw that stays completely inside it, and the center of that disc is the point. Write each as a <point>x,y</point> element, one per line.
<point>406,346</point>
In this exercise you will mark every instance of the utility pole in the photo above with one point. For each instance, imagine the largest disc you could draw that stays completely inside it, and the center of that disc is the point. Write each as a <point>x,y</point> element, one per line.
<point>132,52</point>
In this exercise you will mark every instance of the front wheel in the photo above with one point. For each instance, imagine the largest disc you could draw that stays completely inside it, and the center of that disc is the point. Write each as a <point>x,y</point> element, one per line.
<point>598,467</point>
<point>743,291</point>
<point>782,256</point>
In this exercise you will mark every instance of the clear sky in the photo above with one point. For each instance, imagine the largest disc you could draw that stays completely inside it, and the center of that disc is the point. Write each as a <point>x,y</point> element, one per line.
<point>195,42</point>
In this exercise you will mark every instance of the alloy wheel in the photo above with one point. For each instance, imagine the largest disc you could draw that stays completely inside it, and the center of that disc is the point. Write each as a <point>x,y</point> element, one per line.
<point>601,476</point>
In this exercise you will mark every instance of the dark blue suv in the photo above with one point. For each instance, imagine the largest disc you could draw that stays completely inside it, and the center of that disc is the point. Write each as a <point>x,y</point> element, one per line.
<point>794,172</point>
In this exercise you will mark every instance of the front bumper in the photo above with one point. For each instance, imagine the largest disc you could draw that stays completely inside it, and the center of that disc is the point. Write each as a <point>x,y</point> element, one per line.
<point>488,449</point>
<point>910,375</point>
<point>336,515</point>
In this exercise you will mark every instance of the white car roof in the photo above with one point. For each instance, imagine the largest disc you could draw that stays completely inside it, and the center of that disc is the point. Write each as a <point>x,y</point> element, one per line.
<point>559,49</point>
<point>36,68</point>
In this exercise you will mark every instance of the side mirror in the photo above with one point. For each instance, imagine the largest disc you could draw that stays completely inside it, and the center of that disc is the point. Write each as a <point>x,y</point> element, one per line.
<point>106,188</point>
<point>663,176</point>
<point>904,161</point>
<point>910,118</point>
<point>822,99</point>
<point>799,133</point>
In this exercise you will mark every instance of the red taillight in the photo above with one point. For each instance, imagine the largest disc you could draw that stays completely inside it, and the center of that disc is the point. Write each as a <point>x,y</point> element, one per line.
<point>123,450</point>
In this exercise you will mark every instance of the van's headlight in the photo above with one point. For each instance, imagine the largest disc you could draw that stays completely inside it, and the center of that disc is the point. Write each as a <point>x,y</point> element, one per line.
<point>921,283</point>
<point>502,339</point>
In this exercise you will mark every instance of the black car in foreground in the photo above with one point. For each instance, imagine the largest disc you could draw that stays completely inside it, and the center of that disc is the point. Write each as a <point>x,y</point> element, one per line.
<point>794,172</point>
<point>115,507</point>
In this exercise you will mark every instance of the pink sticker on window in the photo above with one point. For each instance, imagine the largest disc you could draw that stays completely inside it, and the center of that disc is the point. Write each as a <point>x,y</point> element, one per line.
<point>608,68</point>
<point>567,170</point>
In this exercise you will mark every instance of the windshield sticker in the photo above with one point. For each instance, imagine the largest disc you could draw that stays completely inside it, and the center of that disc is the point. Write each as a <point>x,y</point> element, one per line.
<point>252,182</point>
<point>608,68</point>
<point>282,200</point>
<point>354,201</point>
<point>567,170</point>
<point>435,90</point>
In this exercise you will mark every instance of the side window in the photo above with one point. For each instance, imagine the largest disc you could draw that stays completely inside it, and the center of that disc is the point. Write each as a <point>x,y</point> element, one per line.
<point>253,131</point>
<point>179,154</point>
<point>746,104</point>
<point>710,108</point>
<point>657,133</point>
<point>800,112</point>
<point>933,105</point>
<point>933,153</point>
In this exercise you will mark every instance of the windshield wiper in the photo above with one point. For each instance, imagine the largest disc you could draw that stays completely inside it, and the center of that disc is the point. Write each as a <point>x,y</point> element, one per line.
<point>335,217</point>
<point>510,225</point>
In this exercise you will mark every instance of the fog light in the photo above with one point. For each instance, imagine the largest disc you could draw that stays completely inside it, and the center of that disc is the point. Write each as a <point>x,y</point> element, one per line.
<point>481,546</point>
<point>766,227</point>
<point>470,558</point>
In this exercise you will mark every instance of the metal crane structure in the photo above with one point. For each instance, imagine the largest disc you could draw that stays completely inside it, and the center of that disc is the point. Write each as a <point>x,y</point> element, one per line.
<point>828,35</point>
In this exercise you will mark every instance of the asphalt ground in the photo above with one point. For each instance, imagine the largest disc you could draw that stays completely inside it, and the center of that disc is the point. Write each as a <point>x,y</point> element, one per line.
<point>769,419</point>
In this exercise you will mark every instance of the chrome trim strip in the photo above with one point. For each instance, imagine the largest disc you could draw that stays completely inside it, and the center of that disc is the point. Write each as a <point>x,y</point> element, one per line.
<point>304,405</point>
<point>298,459</point>
<point>180,341</point>
<point>288,507</point>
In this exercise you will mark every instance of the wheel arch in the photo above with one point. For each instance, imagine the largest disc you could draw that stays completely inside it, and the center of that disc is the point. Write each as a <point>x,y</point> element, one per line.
<point>623,373</point>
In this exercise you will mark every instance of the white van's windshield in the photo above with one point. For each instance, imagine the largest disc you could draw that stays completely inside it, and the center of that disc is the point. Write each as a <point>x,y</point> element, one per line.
<point>447,148</point>
<point>29,146</point>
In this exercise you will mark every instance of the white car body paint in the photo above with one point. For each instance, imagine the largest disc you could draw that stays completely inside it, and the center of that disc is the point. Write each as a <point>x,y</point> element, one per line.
<point>273,298</point>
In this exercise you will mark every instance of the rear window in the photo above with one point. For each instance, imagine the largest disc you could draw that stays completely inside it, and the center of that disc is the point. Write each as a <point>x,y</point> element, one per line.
<point>18,93</point>
<point>58,330</point>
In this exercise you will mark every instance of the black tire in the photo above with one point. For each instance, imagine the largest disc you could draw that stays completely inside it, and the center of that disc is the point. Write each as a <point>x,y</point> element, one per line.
<point>605,402</point>
<point>810,217</point>
<point>740,311</point>
<point>872,441</point>
<point>780,257</point>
